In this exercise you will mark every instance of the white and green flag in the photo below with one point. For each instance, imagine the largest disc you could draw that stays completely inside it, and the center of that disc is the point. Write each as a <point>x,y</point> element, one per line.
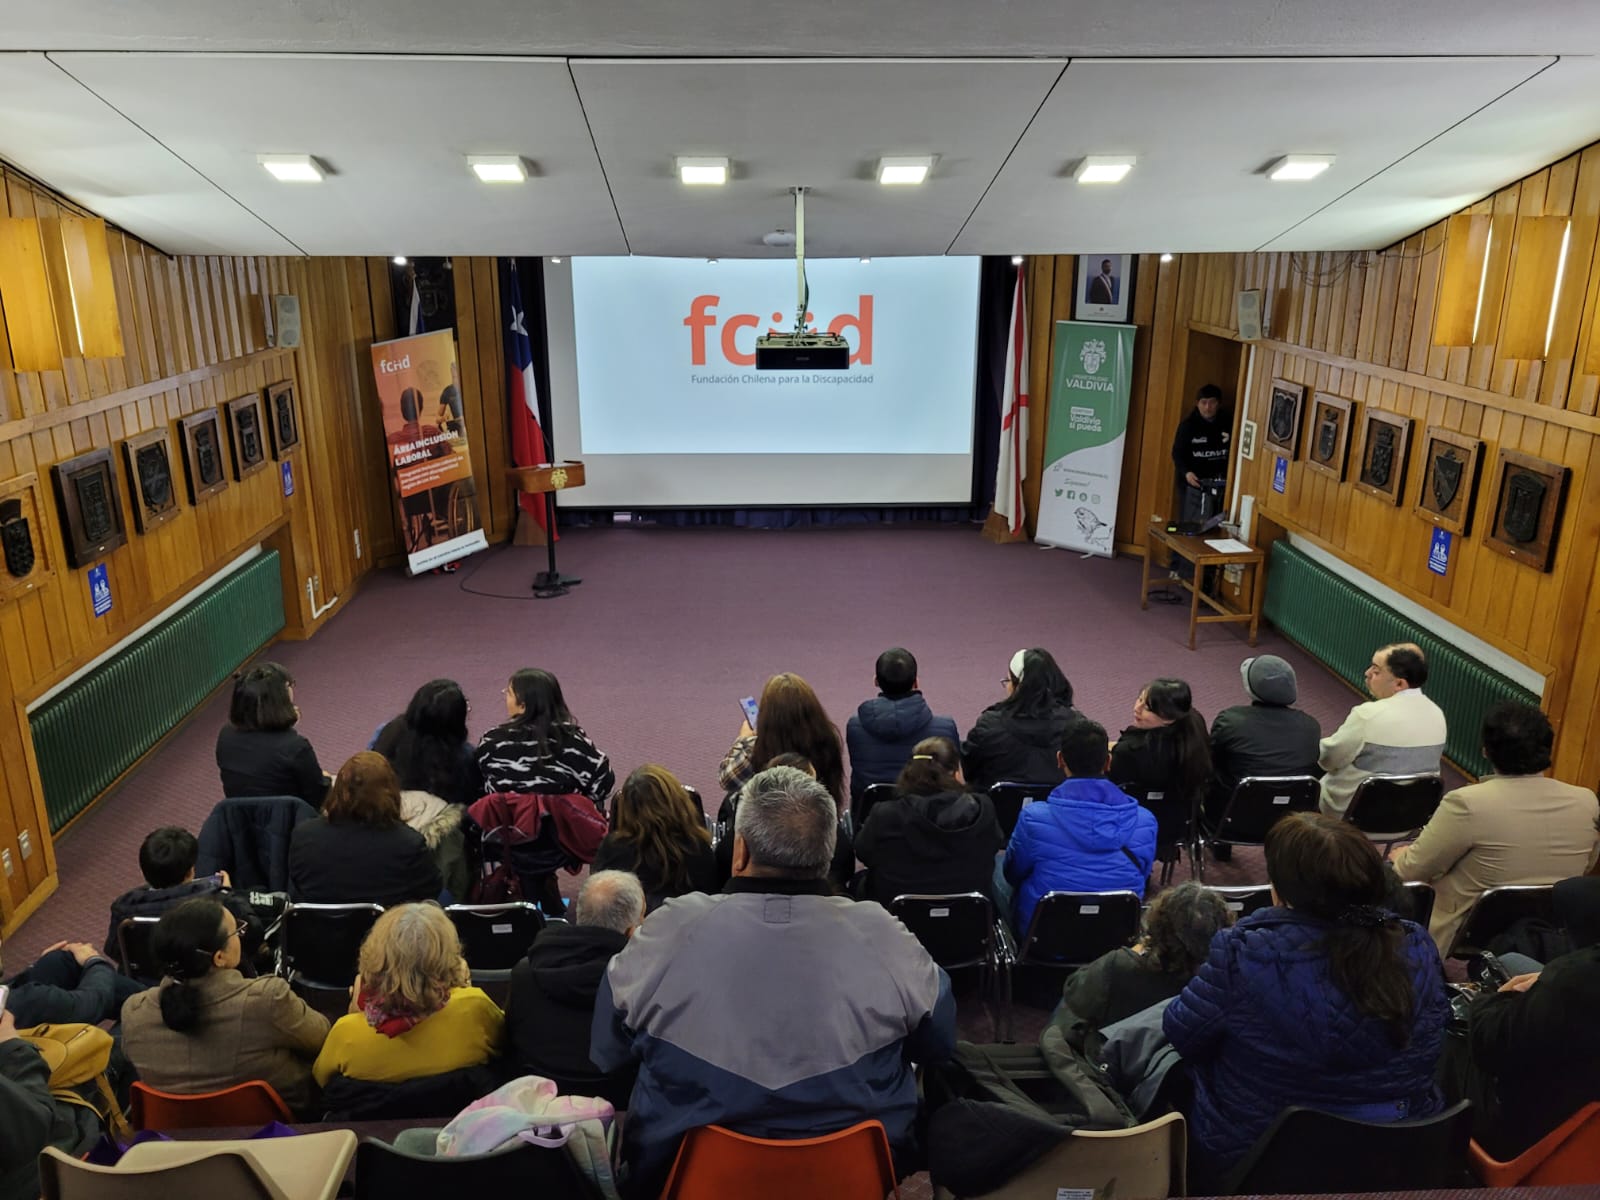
<point>1090,379</point>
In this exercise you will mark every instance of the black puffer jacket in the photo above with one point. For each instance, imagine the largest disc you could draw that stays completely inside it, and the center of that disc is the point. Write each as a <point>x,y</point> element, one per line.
<point>882,734</point>
<point>1003,748</point>
<point>436,1097</point>
<point>929,845</point>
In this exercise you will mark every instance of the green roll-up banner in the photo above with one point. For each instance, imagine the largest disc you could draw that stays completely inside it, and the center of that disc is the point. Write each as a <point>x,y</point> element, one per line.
<point>1090,377</point>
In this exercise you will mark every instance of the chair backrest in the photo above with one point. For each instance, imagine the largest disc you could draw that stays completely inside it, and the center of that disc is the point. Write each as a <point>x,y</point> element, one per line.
<point>223,1173</point>
<point>1422,897</point>
<point>1149,1160</point>
<point>861,806</point>
<point>234,838</point>
<point>1310,1151</point>
<point>1070,929</point>
<point>1568,1154</point>
<point>383,1173</point>
<point>956,930</point>
<point>1244,900</point>
<point>133,949</point>
<point>1009,797</point>
<point>1385,805</point>
<point>495,936</point>
<point>715,1163</point>
<point>1497,910</point>
<point>322,942</point>
<point>1173,811</point>
<point>1260,801</point>
<point>252,1103</point>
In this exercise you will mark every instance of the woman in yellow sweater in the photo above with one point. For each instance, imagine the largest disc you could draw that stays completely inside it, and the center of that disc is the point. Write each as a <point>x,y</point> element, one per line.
<point>412,1013</point>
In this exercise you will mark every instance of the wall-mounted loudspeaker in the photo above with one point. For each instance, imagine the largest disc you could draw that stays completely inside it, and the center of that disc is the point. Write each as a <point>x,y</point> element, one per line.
<point>1249,310</point>
<point>286,321</point>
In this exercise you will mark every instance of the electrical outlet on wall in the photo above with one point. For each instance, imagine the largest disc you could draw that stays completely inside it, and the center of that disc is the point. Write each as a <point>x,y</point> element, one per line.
<point>356,533</point>
<point>25,843</point>
<point>5,861</point>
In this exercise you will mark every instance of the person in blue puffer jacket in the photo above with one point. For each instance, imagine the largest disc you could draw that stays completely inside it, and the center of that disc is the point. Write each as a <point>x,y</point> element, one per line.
<point>1325,1000</point>
<point>1088,836</point>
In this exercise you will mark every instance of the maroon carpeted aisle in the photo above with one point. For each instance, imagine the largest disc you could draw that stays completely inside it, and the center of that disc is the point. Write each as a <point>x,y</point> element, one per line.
<point>669,629</point>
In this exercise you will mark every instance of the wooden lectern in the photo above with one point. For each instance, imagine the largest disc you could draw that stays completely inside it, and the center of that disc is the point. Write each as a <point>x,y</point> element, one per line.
<point>545,481</point>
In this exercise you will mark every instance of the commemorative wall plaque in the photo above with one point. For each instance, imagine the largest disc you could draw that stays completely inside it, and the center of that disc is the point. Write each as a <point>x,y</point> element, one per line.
<point>283,421</point>
<point>1283,416</point>
<point>1328,447</point>
<point>247,440</point>
<point>151,483</point>
<point>1381,460</point>
<point>91,511</point>
<point>203,465</point>
<point>22,537</point>
<point>1451,464</point>
<point>1529,495</point>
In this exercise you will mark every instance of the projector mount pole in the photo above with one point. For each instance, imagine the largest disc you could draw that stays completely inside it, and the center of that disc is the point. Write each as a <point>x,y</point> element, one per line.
<point>800,258</point>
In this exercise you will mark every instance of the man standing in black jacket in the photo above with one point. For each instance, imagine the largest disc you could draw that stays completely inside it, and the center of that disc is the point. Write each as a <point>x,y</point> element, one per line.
<point>1200,452</point>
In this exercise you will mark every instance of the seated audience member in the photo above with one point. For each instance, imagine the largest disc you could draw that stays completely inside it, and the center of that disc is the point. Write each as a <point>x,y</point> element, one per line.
<point>1325,1000</point>
<point>428,747</point>
<point>206,1027</point>
<point>789,720</point>
<point>841,871</point>
<point>360,850</point>
<point>258,751</point>
<point>1088,836</point>
<point>551,1010</point>
<point>881,735</point>
<point>1533,1049</point>
<point>32,1116</point>
<point>1166,748</point>
<point>1398,732</point>
<point>774,1009</point>
<point>1515,826</point>
<point>1015,740</point>
<point>1174,939</point>
<point>658,834</point>
<point>69,983</point>
<point>540,747</point>
<point>935,836</point>
<point>1267,737</point>
<point>166,860</point>
<point>417,1032</point>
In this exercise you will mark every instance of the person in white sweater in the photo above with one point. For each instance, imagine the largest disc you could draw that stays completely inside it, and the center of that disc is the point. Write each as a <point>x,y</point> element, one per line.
<point>1398,732</point>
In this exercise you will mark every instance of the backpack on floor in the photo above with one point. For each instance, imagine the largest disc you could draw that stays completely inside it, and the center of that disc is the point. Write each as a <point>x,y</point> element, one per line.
<point>78,1056</point>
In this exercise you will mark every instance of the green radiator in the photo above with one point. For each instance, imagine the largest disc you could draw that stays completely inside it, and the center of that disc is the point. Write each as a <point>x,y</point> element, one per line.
<point>91,732</point>
<point>1340,624</point>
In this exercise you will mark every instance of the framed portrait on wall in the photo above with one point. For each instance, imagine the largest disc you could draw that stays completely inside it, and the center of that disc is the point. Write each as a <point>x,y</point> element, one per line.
<point>91,510</point>
<point>1381,460</point>
<point>246,439</point>
<point>1105,288</point>
<point>1283,417</point>
<point>1328,444</point>
<point>151,478</point>
<point>203,462</point>
<point>1451,464</point>
<point>283,421</point>
<point>1529,495</point>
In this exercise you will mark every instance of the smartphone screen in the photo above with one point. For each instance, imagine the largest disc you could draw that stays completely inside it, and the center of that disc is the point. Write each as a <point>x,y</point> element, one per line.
<point>748,704</point>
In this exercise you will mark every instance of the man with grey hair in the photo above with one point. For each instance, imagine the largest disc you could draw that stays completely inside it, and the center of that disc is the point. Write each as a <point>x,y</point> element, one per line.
<point>775,1008</point>
<point>553,989</point>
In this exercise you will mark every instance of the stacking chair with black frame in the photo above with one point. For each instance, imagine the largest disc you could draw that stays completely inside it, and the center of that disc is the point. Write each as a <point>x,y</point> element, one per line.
<point>1394,808</point>
<point>321,944</point>
<point>1245,899</point>
<point>1175,825</point>
<point>1257,804</point>
<point>961,930</point>
<point>494,937</point>
<point>1009,799</point>
<point>1072,929</point>
<point>861,806</point>
<point>1309,1151</point>
<point>1497,910</point>
<point>522,1169</point>
<point>1422,897</point>
<point>134,955</point>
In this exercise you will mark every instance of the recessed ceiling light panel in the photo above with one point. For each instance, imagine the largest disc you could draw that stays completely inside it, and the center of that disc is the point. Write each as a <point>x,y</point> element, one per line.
<point>1297,168</point>
<point>1104,168</point>
<point>703,172</point>
<point>904,169</point>
<point>498,168</point>
<point>292,168</point>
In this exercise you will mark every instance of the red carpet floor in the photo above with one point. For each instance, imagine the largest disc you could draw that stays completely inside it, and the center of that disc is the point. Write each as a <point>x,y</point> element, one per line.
<point>669,629</point>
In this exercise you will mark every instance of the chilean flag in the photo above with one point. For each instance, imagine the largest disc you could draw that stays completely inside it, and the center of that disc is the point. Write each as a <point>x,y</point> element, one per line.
<point>527,439</point>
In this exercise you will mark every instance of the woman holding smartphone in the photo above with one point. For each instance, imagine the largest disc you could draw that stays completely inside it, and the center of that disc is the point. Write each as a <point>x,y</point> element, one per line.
<point>789,720</point>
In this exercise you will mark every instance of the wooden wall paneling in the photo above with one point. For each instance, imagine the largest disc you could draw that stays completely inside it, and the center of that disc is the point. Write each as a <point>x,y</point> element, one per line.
<point>1420,351</point>
<point>1578,315</point>
<point>1140,487</point>
<point>1466,235</point>
<point>1533,278</point>
<point>468,320</point>
<point>1502,235</point>
<point>377,325</point>
<point>497,499</point>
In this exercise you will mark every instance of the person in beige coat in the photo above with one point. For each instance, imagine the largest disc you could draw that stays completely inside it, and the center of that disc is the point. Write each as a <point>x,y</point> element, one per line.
<point>1517,826</point>
<point>207,1027</point>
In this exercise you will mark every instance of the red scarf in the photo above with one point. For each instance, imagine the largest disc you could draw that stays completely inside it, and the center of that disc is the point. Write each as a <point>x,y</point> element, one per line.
<point>385,1022</point>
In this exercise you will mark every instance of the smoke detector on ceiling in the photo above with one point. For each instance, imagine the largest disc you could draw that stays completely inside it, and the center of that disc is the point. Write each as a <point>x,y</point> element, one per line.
<point>778,237</point>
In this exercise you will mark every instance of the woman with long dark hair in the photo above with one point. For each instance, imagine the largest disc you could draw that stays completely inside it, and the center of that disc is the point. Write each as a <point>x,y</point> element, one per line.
<point>1326,1000</point>
<point>935,836</point>
<point>1167,747</point>
<point>259,752</point>
<point>658,833</point>
<point>207,1027</point>
<point>428,747</point>
<point>789,720</point>
<point>540,747</point>
<point>1015,740</point>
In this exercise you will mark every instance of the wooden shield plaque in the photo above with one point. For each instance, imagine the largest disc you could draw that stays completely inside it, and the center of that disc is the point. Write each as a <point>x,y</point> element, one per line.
<point>247,439</point>
<point>152,478</point>
<point>1283,416</point>
<point>26,564</point>
<point>91,510</point>
<point>203,456</point>
<point>1451,463</point>
<point>283,420</point>
<point>1381,461</point>
<point>1529,495</point>
<point>1328,440</point>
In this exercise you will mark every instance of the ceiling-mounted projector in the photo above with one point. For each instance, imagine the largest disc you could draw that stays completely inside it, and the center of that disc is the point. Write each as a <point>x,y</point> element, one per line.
<point>802,352</point>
